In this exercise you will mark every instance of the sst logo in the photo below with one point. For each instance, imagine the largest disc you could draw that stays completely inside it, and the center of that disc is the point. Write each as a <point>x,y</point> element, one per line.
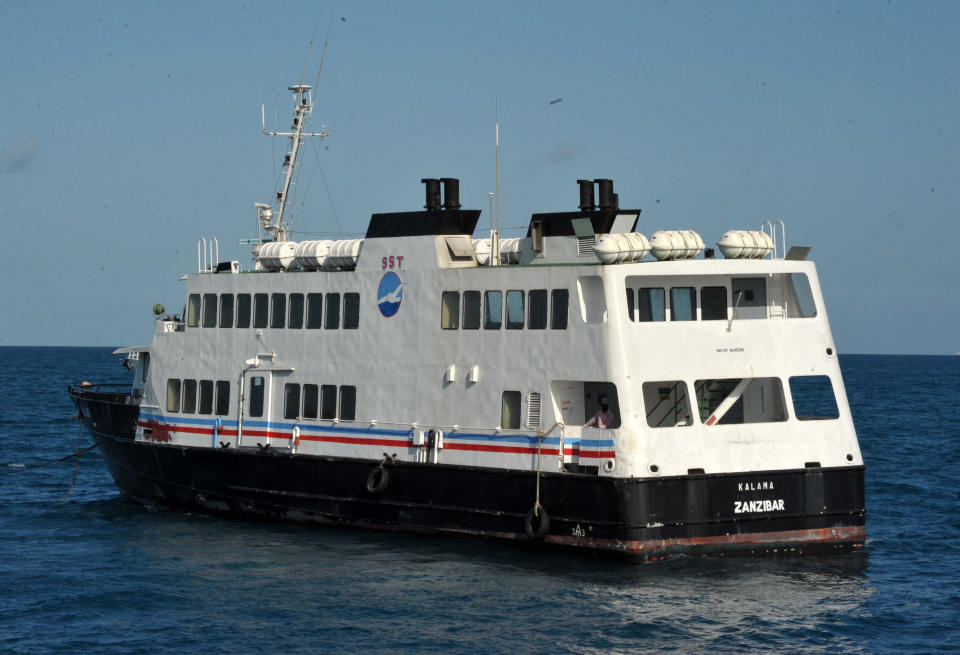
<point>389,294</point>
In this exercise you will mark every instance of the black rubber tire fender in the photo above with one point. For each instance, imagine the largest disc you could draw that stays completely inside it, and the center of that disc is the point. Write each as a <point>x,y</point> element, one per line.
<point>378,480</point>
<point>535,526</point>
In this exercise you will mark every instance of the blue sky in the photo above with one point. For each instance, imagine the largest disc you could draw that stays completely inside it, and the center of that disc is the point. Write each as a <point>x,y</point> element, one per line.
<point>130,129</point>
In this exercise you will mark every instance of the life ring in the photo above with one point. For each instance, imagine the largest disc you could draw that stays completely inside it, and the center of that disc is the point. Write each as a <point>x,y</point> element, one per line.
<point>535,526</point>
<point>378,480</point>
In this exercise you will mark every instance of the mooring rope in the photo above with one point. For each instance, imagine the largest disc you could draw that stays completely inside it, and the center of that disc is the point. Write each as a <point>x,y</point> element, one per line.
<point>536,504</point>
<point>76,466</point>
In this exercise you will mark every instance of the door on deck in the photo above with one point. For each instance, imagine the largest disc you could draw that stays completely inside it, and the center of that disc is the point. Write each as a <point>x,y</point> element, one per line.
<point>256,408</point>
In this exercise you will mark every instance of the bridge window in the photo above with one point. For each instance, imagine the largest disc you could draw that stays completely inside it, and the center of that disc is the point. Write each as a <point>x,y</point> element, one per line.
<point>749,298</point>
<point>193,310</point>
<point>223,397</point>
<point>514,310</point>
<point>683,304</point>
<point>813,397</point>
<point>260,310</point>
<point>471,310</point>
<point>449,310</point>
<point>650,305</point>
<point>209,310</point>
<point>226,310</point>
<point>667,404</point>
<point>189,396</point>
<point>314,311</point>
<point>173,395</point>
<point>537,318</point>
<point>206,397</point>
<point>243,310</point>
<point>295,321</point>
<point>493,310</point>
<point>279,310</point>
<point>560,299</point>
<point>713,303</point>
<point>351,311</point>
<point>332,312</point>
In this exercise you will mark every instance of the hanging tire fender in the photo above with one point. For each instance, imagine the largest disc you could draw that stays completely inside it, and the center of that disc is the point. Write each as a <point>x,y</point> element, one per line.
<point>378,480</point>
<point>536,526</point>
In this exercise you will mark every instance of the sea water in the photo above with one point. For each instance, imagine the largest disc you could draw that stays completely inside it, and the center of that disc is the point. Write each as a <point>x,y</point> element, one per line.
<point>93,572</point>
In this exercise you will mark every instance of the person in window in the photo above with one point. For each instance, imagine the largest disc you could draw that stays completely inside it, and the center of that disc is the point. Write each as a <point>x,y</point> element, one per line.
<point>604,417</point>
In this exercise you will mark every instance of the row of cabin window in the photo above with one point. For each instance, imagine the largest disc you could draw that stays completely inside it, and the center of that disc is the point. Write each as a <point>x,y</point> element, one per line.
<point>278,310</point>
<point>319,401</point>
<point>492,313</point>
<point>214,397</point>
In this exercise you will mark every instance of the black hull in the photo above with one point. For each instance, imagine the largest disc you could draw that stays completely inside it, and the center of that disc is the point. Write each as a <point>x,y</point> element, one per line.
<point>651,518</point>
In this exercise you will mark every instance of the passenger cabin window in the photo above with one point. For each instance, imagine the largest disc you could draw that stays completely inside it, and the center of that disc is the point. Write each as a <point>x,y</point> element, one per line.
<point>243,310</point>
<point>683,304</point>
<point>713,303</point>
<point>189,396</point>
<point>311,400</point>
<point>493,310</point>
<point>173,395</point>
<point>348,403</point>
<point>206,397</point>
<point>223,398</point>
<point>328,402</point>
<point>740,400</point>
<point>749,296</point>
<point>514,310</point>
<point>510,410</point>
<point>449,310</point>
<point>226,310</point>
<point>813,397</point>
<point>667,404</point>
<point>471,310</point>
<point>295,321</point>
<point>278,313</point>
<point>193,310</point>
<point>332,312</point>
<point>560,299</point>
<point>314,311</point>
<point>260,310</point>
<point>537,316</point>
<point>256,396</point>
<point>351,311</point>
<point>209,310</point>
<point>291,400</point>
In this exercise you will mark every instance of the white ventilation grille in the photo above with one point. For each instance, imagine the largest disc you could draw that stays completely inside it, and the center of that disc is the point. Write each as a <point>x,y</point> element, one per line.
<point>533,409</point>
<point>585,246</point>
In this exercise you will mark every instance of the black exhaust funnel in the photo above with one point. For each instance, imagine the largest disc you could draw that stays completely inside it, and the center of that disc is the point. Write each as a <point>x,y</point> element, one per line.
<point>586,195</point>
<point>606,193</point>
<point>433,194</point>
<point>451,192</point>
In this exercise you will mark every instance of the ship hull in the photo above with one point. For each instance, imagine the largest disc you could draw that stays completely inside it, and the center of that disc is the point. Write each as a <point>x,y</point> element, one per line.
<point>759,512</point>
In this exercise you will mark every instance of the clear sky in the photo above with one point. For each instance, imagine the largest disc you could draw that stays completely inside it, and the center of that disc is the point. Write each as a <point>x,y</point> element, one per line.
<point>130,129</point>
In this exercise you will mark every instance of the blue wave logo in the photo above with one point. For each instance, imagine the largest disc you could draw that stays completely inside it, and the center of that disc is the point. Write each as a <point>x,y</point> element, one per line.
<point>389,294</point>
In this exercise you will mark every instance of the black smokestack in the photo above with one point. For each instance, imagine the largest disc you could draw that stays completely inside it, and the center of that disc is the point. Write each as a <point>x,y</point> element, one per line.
<point>606,193</point>
<point>586,195</point>
<point>451,192</point>
<point>433,194</point>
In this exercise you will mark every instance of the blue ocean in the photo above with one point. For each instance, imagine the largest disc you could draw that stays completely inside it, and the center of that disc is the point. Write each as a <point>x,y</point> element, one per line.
<point>89,571</point>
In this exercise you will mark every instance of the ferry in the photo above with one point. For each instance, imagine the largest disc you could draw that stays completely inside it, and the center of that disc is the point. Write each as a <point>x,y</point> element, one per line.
<point>582,387</point>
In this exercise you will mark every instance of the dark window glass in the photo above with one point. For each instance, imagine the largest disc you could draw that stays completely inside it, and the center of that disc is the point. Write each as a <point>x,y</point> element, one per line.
<point>243,310</point>
<point>650,305</point>
<point>332,312</point>
<point>683,304</point>
<point>631,303</point>
<point>493,310</point>
<point>256,396</point>
<point>226,310</point>
<point>193,310</point>
<point>311,398</point>
<point>206,397</point>
<point>314,311</point>
<point>471,310</point>
<point>514,310</point>
<point>348,403</point>
<point>291,400</point>
<point>328,401</point>
<point>537,318</point>
<point>209,310</point>
<point>189,396</point>
<point>713,304</point>
<point>278,314</point>
<point>813,397</point>
<point>223,397</point>
<point>173,395</point>
<point>260,310</point>
<point>296,311</point>
<point>351,311</point>
<point>558,315</point>
<point>450,310</point>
